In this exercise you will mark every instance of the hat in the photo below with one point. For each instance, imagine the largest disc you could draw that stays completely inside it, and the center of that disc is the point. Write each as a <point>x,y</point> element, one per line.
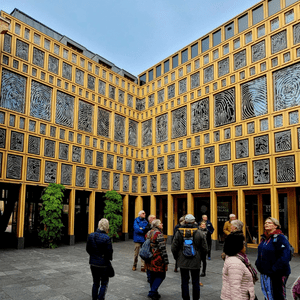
<point>189,218</point>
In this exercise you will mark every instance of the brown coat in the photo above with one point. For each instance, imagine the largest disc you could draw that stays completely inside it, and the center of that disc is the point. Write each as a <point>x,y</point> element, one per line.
<point>227,228</point>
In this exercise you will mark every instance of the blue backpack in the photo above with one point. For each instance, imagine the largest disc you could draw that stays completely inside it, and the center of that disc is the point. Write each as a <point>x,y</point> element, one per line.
<point>145,251</point>
<point>189,250</point>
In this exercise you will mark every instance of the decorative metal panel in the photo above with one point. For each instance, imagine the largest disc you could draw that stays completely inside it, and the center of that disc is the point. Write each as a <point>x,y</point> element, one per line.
<point>221,176</point>
<point>49,149</point>
<point>195,80</point>
<point>99,159</point>
<point>93,181</point>
<point>50,172</point>
<point>119,163</point>
<point>88,157</point>
<point>116,181</point>
<point>278,121</point>
<point>296,32</point>
<point>66,174</point>
<point>278,41</point>
<point>261,171</point>
<point>2,137</point>
<point>150,165</point>
<point>209,74</point>
<point>132,134</point>
<point>250,128</point>
<point>151,100</point>
<point>160,96</point>
<point>264,124</point>
<point>139,167</point>
<point>171,161</point>
<point>144,184</point>
<point>242,148</point>
<point>13,91</point>
<point>224,111</point>
<point>223,67</point>
<point>179,124</point>
<point>110,161</point>
<point>101,87</point>
<point>134,187</point>
<point>17,141</point>
<point>171,91</point>
<point>76,155</point>
<point>160,163</point>
<point>153,183</point>
<point>111,92</point>
<point>119,128</point>
<point>147,133</point>
<point>129,100</point>
<point>254,98</point>
<point>189,180</point>
<point>164,182</point>
<point>53,64</point>
<point>79,77</point>
<point>34,144</point>
<point>80,176</point>
<point>182,86</point>
<point>227,133</point>
<point>85,116</point>
<point>204,178</point>
<point>293,117</point>
<point>261,144</point>
<point>121,96</point>
<point>14,166</point>
<point>175,178</point>
<point>200,115</point>
<point>38,57</point>
<point>162,128</point>
<point>91,82</point>
<point>103,122</point>
<point>64,109</point>
<point>195,157</point>
<point>126,183</point>
<point>105,180</point>
<point>22,49</point>
<point>182,159</point>
<point>140,104</point>
<point>283,141</point>
<point>67,71</point>
<point>240,174</point>
<point>225,152</point>
<point>7,43</point>
<point>33,169</point>
<point>209,155</point>
<point>128,165</point>
<point>258,51</point>
<point>285,169</point>
<point>240,60</point>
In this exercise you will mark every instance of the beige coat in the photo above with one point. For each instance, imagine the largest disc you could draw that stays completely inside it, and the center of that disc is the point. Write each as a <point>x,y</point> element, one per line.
<point>237,280</point>
<point>227,228</point>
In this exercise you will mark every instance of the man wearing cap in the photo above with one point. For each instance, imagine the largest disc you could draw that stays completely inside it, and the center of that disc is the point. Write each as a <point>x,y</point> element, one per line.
<point>189,265</point>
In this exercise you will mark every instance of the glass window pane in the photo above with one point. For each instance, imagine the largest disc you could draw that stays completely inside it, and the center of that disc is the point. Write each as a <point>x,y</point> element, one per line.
<point>283,213</point>
<point>184,56</point>
<point>273,6</point>
<point>142,79</point>
<point>258,14</point>
<point>289,2</point>
<point>205,44</point>
<point>229,31</point>
<point>194,50</point>
<point>174,61</point>
<point>252,234</point>
<point>166,66</point>
<point>158,71</point>
<point>225,49</point>
<point>217,38</point>
<point>243,23</point>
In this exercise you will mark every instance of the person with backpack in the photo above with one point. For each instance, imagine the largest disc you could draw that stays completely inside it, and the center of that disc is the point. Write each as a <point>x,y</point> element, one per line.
<point>188,246</point>
<point>158,265</point>
<point>273,261</point>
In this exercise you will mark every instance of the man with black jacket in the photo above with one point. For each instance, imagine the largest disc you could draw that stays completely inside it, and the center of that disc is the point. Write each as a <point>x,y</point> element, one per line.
<point>192,263</point>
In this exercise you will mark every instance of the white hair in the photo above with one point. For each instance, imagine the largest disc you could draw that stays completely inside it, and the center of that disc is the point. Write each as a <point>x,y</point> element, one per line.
<point>231,215</point>
<point>151,216</point>
<point>140,212</point>
<point>238,224</point>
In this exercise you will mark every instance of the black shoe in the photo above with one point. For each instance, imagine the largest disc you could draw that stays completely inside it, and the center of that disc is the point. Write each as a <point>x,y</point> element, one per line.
<point>155,297</point>
<point>203,274</point>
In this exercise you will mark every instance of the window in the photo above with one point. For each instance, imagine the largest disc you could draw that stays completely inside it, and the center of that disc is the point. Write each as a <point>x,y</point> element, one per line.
<point>225,49</point>
<point>273,6</point>
<point>217,37</point>
<point>205,44</point>
<point>258,14</point>
<point>143,79</point>
<point>184,56</point>
<point>289,2</point>
<point>158,71</point>
<point>194,50</point>
<point>243,23</point>
<point>166,66</point>
<point>150,75</point>
<point>175,61</point>
<point>229,31</point>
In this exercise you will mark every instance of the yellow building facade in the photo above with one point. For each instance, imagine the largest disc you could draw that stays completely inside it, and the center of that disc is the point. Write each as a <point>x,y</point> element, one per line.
<point>213,129</point>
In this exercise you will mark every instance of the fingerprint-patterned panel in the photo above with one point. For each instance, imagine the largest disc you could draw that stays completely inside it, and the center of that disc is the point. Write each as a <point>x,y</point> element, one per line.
<point>224,110</point>
<point>179,127</point>
<point>64,109</point>
<point>103,122</point>
<point>285,169</point>
<point>85,116</point>
<point>14,166</point>
<point>119,128</point>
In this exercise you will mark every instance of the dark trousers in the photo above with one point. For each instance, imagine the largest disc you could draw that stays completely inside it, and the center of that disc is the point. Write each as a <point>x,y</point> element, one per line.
<point>203,263</point>
<point>156,279</point>
<point>279,287</point>
<point>185,277</point>
<point>208,240</point>
<point>99,277</point>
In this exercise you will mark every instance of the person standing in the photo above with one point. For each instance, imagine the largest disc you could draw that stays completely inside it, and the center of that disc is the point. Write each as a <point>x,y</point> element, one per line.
<point>227,225</point>
<point>210,231</point>
<point>148,227</point>
<point>273,261</point>
<point>180,223</point>
<point>99,248</point>
<point>158,265</point>
<point>296,289</point>
<point>189,265</point>
<point>204,230</point>
<point>139,226</point>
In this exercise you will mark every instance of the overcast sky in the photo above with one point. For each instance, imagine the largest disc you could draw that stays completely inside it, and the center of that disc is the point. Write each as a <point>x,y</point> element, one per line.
<point>133,34</point>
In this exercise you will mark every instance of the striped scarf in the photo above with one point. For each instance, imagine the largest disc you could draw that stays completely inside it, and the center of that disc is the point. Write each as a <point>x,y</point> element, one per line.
<point>243,257</point>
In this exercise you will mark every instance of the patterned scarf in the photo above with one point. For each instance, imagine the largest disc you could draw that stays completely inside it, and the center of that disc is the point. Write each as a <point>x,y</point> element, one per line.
<point>243,257</point>
<point>277,231</point>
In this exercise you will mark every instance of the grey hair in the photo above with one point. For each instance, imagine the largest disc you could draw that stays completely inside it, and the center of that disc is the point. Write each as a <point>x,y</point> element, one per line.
<point>275,221</point>
<point>238,224</point>
<point>231,215</point>
<point>140,212</point>
<point>103,225</point>
<point>151,216</point>
<point>155,223</point>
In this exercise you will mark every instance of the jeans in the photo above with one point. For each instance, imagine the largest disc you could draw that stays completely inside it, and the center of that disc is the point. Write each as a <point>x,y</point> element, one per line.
<point>156,279</point>
<point>99,276</point>
<point>185,277</point>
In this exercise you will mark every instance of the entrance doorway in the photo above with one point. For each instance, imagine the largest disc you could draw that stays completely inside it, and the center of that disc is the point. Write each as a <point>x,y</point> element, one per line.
<point>224,210</point>
<point>146,206</point>
<point>99,208</point>
<point>81,215</point>
<point>162,212</point>
<point>131,215</point>
<point>202,207</point>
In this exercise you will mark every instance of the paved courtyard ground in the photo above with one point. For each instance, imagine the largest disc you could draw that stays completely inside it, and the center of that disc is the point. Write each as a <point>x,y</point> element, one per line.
<point>64,274</point>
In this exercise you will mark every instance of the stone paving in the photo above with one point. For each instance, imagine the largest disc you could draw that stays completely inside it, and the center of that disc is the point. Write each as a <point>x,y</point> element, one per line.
<point>64,274</point>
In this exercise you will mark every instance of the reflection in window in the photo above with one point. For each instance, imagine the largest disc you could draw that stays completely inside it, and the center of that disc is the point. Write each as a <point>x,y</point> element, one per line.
<point>273,6</point>
<point>184,56</point>
<point>275,24</point>
<point>194,50</point>
<point>283,213</point>
<point>225,49</point>
<point>166,66</point>
<point>289,16</point>
<point>236,43</point>
<point>150,75</point>
<point>248,37</point>
<point>217,37</point>
<point>257,14</point>
<point>229,31</point>
<point>158,71</point>
<point>175,61</point>
<point>205,44</point>
<point>243,23</point>
<point>261,31</point>
<point>143,79</point>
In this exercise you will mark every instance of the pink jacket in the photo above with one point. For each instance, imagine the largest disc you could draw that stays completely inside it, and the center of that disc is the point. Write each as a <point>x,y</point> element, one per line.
<point>237,280</point>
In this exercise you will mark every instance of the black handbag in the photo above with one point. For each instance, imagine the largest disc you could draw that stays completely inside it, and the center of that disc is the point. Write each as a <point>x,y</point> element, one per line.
<point>110,270</point>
